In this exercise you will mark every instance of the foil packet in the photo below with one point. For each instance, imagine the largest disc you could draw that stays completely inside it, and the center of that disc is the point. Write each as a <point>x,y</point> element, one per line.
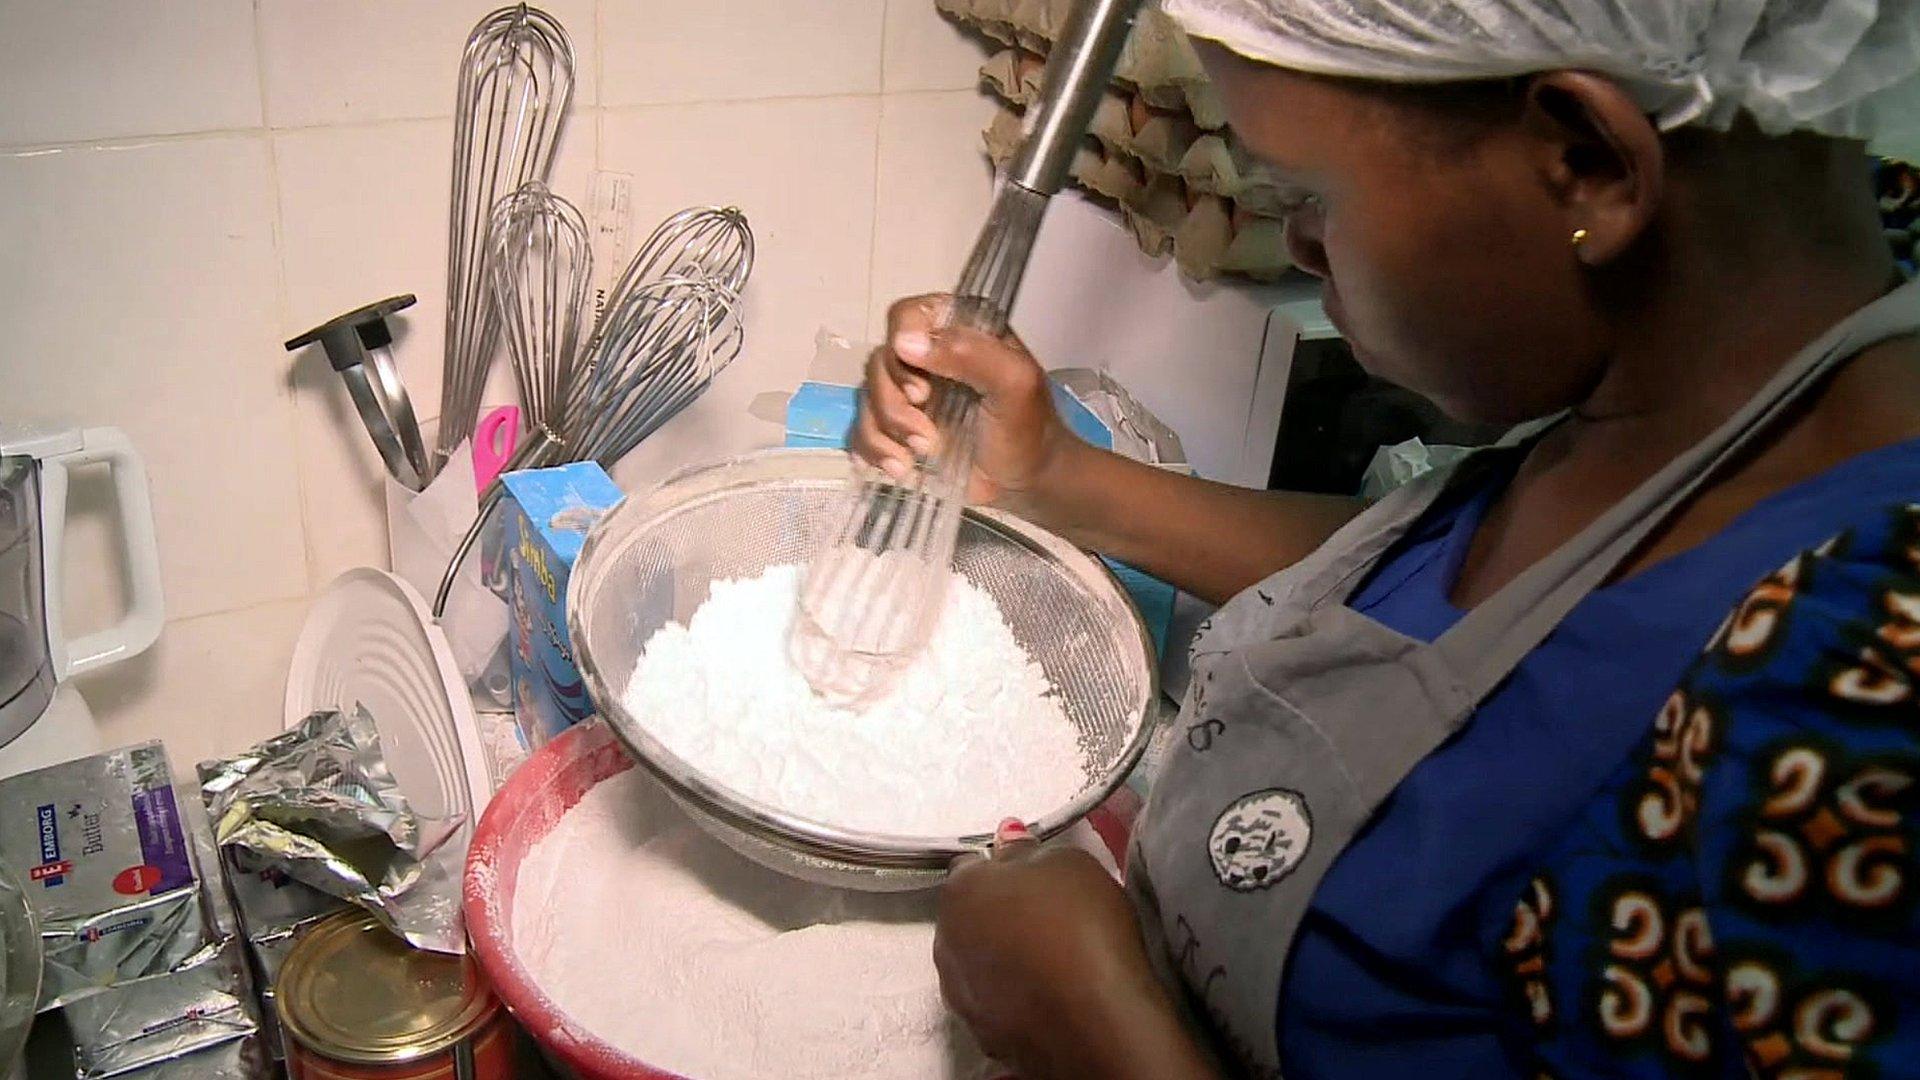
<point>110,875</point>
<point>318,804</point>
<point>160,1020</point>
<point>271,901</point>
<point>244,1058</point>
<point>200,1021</point>
<point>274,912</point>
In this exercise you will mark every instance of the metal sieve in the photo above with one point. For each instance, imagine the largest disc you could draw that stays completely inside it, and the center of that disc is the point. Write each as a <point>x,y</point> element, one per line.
<point>653,559</point>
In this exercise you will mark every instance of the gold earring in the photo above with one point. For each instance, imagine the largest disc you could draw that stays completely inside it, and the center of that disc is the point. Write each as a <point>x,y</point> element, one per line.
<point>1579,237</point>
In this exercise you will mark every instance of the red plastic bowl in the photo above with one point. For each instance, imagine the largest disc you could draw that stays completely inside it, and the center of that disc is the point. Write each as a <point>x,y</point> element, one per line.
<point>525,809</point>
<point>531,803</point>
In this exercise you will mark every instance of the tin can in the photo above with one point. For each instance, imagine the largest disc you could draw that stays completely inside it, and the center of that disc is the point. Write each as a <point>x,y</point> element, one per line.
<point>357,1003</point>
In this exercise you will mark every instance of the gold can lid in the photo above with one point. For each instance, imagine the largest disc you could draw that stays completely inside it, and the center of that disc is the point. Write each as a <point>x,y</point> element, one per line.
<point>353,992</point>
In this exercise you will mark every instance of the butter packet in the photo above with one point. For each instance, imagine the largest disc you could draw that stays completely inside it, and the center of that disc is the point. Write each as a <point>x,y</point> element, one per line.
<point>109,871</point>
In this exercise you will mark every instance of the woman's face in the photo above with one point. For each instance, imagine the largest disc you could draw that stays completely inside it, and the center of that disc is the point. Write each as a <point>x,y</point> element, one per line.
<point>1448,264</point>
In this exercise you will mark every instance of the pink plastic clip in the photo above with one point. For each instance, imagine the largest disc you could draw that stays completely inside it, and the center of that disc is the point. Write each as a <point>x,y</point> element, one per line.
<point>494,439</point>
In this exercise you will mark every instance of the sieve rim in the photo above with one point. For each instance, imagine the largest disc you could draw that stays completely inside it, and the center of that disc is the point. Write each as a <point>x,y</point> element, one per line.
<point>831,469</point>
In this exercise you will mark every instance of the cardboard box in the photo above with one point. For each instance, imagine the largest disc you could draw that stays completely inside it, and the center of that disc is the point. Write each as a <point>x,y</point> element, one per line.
<point>548,514</point>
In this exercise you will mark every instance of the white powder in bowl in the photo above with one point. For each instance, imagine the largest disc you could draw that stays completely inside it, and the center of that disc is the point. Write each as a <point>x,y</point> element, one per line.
<point>970,734</point>
<point>662,942</point>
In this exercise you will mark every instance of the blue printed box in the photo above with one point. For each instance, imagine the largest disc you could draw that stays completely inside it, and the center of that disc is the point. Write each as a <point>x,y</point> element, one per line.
<point>548,514</point>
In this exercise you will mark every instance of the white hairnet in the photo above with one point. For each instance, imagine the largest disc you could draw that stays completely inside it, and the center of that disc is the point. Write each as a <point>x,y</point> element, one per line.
<point>1846,68</point>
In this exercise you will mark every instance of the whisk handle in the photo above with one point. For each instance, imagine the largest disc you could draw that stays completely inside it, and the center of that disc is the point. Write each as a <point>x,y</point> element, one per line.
<point>951,403</point>
<point>1078,68</point>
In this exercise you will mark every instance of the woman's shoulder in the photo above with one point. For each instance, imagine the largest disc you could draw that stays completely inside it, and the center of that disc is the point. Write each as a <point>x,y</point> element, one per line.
<point>1801,732</point>
<point>1833,632</point>
<point>1749,888</point>
<point>1807,702</point>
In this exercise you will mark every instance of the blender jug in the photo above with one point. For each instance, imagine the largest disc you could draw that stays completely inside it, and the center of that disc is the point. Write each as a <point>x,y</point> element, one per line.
<point>26,668</point>
<point>35,653</point>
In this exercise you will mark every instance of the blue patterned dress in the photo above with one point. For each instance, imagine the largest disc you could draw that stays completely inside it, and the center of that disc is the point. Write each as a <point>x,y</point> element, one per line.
<point>1601,876</point>
<point>1746,897</point>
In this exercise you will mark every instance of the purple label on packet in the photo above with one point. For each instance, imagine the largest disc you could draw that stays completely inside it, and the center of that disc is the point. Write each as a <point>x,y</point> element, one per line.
<point>162,841</point>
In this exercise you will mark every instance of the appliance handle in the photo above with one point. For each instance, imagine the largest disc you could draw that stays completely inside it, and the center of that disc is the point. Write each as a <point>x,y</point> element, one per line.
<point>146,609</point>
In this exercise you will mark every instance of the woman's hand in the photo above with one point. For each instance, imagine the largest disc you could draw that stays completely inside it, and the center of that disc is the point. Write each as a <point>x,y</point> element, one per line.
<point>1021,436</point>
<point>1039,953</point>
<point>1209,539</point>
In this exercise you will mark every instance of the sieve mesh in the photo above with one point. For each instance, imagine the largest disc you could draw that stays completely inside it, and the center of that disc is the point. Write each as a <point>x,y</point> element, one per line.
<point>654,559</point>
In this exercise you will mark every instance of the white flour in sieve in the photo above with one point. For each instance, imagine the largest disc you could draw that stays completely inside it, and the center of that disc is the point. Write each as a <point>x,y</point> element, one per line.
<point>658,939</point>
<point>971,733</point>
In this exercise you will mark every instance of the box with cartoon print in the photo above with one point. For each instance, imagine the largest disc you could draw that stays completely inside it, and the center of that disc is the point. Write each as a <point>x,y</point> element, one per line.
<point>548,514</point>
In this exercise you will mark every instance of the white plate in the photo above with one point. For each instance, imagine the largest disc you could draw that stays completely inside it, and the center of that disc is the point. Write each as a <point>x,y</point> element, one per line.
<point>369,640</point>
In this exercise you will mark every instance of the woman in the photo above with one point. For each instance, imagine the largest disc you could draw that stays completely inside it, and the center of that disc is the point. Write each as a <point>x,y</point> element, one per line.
<point>1434,802</point>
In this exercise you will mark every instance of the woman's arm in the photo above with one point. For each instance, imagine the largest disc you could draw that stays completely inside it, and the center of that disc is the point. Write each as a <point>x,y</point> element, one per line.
<point>1130,1037</point>
<point>1208,539</point>
<point>1802,736</point>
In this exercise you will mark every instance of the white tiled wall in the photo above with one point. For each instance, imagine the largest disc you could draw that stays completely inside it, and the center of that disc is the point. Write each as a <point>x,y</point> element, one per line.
<point>185,185</point>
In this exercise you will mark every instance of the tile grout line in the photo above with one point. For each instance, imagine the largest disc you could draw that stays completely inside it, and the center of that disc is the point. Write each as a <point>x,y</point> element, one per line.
<point>136,141</point>
<point>886,23</point>
<point>238,609</point>
<point>873,223</point>
<point>285,303</point>
<point>879,137</point>
<point>936,91</point>
<point>599,66</point>
<point>128,142</point>
<point>839,95</point>
<point>599,90</point>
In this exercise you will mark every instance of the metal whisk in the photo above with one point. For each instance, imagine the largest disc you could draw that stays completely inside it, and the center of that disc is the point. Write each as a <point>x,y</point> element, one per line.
<point>656,353</point>
<point>540,259</point>
<point>670,325</point>
<point>871,595</point>
<point>672,322</point>
<point>516,86</point>
<point>698,258</point>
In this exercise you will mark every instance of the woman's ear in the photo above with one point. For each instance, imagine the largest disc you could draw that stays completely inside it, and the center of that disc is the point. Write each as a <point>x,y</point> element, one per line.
<point>1600,157</point>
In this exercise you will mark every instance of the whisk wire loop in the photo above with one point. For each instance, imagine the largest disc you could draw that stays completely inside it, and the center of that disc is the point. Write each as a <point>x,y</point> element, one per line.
<point>515,89</point>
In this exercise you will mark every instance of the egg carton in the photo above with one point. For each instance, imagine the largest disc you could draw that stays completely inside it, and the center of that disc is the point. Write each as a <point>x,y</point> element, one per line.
<point>1209,234</point>
<point>1898,186</point>
<point>1158,61</point>
<point>1158,148</point>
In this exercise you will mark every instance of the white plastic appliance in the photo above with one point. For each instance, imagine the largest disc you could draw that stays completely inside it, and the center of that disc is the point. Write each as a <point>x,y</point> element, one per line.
<point>42,720</point>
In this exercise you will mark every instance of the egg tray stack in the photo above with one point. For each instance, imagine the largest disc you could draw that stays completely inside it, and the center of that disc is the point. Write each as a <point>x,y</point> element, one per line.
<point>1158,147</point>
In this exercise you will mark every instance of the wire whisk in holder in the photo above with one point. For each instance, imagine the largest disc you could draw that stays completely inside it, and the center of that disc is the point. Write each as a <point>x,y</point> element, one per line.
<point>515,91</point>
<point>672,322</point>
<point>540,259</point>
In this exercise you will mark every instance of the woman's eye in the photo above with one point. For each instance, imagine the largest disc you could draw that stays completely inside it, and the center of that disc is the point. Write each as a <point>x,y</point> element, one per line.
<point>1294,202</point>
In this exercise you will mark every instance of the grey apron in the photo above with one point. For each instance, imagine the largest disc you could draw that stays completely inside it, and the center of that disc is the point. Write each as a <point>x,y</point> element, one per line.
<point>1302,715</point>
